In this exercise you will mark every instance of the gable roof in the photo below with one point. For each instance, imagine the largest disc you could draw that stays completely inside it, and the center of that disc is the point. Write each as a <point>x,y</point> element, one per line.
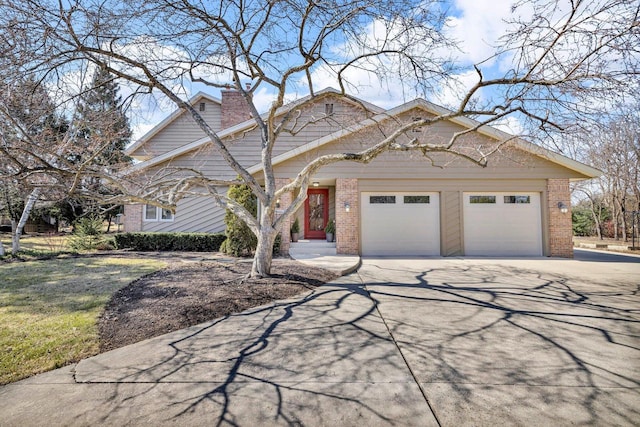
<point>381,115</point>
<point>466,122</point>
<point>246,125</point>
<point>168,120</point>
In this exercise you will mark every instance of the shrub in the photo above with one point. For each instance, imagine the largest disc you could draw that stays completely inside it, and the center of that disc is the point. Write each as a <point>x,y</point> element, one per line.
<point>187,242</point>
<point>240,239</point>
<point>87,234</point>
<point>295,228</point>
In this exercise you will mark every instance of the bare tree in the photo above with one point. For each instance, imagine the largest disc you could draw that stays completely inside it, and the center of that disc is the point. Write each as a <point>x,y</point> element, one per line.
<point>560,57</point>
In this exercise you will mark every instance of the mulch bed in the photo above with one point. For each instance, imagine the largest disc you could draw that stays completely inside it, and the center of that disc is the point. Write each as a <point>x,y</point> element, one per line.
<point>186,294</point>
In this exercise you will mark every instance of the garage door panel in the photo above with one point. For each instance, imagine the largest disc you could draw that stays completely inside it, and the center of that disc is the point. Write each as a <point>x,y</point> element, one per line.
<point>400,228</point>
<point>502,228</point>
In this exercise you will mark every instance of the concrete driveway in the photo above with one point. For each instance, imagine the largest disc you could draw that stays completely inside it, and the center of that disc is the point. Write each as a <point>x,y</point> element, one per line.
<point>402,342</point>
<point>517,342</point>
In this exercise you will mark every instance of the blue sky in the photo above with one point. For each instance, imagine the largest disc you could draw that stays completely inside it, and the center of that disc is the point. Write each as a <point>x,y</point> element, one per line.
<point>475,24</point>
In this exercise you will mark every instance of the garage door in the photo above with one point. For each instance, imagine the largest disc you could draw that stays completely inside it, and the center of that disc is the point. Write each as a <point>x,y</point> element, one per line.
<point>400,223</point>
<point>502,224</point>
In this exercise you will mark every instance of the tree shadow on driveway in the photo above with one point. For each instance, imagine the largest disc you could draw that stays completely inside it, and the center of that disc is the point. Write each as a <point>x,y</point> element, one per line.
<point>322,359</point>
<point>502,343</point>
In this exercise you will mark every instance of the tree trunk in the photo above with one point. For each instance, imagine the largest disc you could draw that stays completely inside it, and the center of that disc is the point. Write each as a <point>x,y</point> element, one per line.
<point>264,252</point>
<point>17,230</point>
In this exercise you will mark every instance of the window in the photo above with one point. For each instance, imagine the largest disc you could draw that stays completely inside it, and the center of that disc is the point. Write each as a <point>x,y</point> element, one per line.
<point>517,199</point>
<point>416,199</point>
<point>153,213</point>
<point>328,109</point>
<point>382,199</point>
<point>202,106</point>
<point>166,215</point>
<point>418,129</point>
<point>150,213</point>
<point>482,199</point>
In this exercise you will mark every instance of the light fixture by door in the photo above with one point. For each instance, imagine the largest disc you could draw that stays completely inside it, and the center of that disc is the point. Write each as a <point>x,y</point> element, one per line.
<point>316,183</point>
<point>563,208</point>
<point>347,206</point>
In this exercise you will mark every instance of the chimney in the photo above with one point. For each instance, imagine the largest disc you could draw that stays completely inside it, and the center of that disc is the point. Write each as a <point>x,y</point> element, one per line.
<point>234,108</point>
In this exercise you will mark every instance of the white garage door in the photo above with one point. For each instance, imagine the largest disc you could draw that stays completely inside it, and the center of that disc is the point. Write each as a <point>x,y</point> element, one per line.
<point>400,223</point>
<point>502,224</point>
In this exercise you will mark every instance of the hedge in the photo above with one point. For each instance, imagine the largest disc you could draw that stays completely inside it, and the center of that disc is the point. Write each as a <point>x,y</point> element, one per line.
<point>189,242</point>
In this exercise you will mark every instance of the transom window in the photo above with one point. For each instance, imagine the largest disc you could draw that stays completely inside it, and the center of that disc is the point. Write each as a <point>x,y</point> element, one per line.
<point>517,199</point>
<point>417,199</point>
<point>382,199</point>
<point>482,199</point>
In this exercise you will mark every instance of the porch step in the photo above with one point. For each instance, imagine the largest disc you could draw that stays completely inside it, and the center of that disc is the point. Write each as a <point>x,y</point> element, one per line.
<point>312,247</point>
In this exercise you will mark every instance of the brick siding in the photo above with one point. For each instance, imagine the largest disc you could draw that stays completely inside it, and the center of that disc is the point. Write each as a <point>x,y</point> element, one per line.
<point>560,231</point>
<point>132,218</point>
<point>234,108</point>
<point>347,223</point>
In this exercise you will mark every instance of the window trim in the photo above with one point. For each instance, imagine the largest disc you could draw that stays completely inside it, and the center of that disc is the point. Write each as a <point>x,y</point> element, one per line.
<point>158,214</point>
<point>147,208</point>
<point>161,212</point>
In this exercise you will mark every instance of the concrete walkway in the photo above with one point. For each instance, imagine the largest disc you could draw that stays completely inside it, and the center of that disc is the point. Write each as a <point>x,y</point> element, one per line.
<point>425,342</point>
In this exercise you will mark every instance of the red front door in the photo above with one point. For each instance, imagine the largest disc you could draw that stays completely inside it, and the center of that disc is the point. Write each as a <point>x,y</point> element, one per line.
<point>316,213</point>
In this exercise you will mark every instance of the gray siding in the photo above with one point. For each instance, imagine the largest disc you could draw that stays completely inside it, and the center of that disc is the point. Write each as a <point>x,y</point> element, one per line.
<point>507,163</point>
<point>245,146</point>
<point>181,131</point>
<point>450,223</point>
<point>193,214</point>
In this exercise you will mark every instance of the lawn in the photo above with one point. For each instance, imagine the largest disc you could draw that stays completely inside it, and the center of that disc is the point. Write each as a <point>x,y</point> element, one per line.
<point>49,309</point>
<point>39,244</point>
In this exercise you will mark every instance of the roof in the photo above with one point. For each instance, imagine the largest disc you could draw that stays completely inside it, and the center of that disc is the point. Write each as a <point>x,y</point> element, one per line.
<point>240,127</point>
<point>486,130</point>
<point>380,116</point>
<point>168,120</point>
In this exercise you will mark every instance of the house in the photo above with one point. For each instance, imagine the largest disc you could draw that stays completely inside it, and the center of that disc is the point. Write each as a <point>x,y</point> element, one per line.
<point>401,203</point>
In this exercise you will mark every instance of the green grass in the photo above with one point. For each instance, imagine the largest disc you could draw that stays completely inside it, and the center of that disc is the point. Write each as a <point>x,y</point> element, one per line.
<point>49,309</point>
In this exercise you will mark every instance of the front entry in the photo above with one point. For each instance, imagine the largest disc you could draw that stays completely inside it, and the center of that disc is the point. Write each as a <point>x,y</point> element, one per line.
<point>316,213</point>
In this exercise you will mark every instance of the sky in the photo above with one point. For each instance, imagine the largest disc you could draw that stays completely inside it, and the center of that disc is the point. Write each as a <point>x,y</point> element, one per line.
<point>475,24</point>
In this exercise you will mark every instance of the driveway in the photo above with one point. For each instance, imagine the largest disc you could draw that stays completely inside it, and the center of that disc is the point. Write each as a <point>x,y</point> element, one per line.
<point>402,342</point>
<point>517,342</point>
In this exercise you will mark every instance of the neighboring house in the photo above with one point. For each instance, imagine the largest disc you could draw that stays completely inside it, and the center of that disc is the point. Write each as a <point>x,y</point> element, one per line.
<point>402,203</point>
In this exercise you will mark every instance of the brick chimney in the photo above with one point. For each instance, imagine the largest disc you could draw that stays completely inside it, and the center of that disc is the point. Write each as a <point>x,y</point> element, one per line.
<point>234,108</point>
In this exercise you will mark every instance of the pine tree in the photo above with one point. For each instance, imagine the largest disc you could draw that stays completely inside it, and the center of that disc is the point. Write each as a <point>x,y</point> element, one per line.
<point>103,128</point>
<point>102,122</point>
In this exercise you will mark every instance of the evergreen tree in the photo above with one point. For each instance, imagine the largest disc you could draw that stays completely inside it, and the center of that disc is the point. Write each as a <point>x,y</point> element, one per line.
<point>103,128</point>
<point>102,123</point>
<point>240,239</point>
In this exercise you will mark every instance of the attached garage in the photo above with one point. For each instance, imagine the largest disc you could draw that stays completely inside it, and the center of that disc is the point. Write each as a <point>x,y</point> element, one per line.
<point>400,223</point>
<point>502,224</point>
